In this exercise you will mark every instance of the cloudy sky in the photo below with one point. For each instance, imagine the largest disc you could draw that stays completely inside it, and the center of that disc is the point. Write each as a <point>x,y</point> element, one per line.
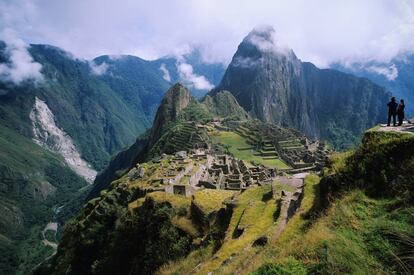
<point>321,31</point>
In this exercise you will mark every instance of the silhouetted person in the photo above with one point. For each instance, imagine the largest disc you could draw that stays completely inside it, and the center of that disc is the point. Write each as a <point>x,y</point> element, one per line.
<point>400,112</point>
<point>392,111</point>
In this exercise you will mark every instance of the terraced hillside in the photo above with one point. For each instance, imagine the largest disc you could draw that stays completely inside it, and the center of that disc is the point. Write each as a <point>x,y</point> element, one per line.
<point>348,221</point>
<point>271,146</point>
<point>182,136</point>
<point>244,148</point>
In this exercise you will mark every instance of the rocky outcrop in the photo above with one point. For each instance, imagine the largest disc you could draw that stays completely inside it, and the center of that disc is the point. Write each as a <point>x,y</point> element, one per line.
<point>47,134</point>
<point>272,84</point>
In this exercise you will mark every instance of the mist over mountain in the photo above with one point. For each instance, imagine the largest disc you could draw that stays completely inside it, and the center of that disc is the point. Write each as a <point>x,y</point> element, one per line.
<point>272,84</point>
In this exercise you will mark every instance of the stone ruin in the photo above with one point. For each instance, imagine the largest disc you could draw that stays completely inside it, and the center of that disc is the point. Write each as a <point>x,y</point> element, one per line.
<point>229,173</point>
<point>188,172</point>
<point>207,166</point>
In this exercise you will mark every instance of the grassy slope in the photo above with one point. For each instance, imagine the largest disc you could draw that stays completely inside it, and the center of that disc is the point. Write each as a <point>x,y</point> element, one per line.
<point>359,232</point>
<point>254,212</point>
<point>237,146</point>
<point>349,238</point>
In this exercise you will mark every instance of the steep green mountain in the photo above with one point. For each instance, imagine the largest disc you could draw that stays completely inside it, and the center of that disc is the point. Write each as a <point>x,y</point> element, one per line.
<point>54,134</point>
<point>397,76</point>
<point>174,102</point>
<point>100,116</point>
<point>57,132</point>
<point>176,108</point>
<point>272,84</point>
<point>169,113</point>
<point>195,185</point>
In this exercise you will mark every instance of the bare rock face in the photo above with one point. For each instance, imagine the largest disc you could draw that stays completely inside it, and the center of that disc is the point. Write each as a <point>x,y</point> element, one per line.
<point>174,101</point>
<point>273,85</point>
<point>48,135</point>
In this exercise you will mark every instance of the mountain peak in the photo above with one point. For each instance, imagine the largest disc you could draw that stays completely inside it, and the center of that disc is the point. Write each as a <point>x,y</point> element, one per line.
<point>265,33</point>
<point>263,39</point>
<point>175,100</point>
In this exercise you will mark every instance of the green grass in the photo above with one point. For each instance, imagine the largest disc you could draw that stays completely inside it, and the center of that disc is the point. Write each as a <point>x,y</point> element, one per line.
<point>237,146</point>
<point>252,213</point>
<point>286,267</point>
<point>176,201</point>
<point>209,200</point>
<point>350,238</point>
<point>356,234</point>
<point>278,187</point>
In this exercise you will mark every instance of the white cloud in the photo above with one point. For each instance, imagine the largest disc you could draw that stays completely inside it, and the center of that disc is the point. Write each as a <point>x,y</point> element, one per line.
<point>186,73</point>
<point>98,69</point>
<point>20,65</point>
<point>320,31</point>
<point>265,39</point>
<point>165,73</point>
<point>391,72</point>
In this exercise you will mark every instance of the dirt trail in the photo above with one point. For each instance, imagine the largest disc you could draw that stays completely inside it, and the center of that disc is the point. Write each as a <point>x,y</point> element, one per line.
<point>51,226</point>
<point>284,217</point>
<point>290,201</point>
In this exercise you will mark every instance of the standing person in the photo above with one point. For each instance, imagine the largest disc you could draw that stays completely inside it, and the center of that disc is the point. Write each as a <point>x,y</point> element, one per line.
<point>400,112</point>
<point>392,111</point>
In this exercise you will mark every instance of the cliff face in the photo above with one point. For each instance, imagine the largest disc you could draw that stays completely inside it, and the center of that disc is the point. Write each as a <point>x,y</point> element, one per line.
<point>272,84</point>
